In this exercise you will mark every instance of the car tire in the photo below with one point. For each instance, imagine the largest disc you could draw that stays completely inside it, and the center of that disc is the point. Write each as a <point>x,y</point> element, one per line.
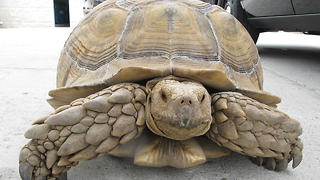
<point>234,7</point>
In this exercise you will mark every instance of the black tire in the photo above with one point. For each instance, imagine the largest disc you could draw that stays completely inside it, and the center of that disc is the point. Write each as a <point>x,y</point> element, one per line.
<point>238,12</point>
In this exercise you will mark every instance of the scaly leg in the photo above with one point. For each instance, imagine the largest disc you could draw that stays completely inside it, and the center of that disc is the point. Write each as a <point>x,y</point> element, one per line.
<point>89,127</point>
<point>249,127</point>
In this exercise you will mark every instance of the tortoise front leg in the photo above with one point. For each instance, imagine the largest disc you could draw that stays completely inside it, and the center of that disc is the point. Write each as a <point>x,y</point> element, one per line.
<point>252,128</point>
<point>87,128</point>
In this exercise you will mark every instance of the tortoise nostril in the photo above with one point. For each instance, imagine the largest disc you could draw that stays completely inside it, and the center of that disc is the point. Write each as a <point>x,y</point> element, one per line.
<point>186,102</point>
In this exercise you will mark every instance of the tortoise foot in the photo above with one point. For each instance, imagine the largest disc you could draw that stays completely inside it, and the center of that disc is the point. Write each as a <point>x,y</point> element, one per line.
<point>87,128</point>
<point>36,164</point>
<point>26,173</point>
<point>249,127</point>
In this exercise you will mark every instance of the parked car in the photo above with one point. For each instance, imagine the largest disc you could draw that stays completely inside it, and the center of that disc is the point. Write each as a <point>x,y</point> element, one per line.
<point>273,15</point>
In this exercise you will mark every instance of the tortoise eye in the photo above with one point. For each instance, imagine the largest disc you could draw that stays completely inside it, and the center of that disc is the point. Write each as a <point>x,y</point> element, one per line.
<point>203,97</point>
<point>164,96</point>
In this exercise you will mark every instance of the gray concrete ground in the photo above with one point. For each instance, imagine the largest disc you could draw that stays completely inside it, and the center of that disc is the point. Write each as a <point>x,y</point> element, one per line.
<point>28,59</point>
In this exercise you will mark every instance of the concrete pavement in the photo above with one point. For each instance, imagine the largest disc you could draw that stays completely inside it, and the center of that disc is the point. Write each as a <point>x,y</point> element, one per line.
<point>28,59</point>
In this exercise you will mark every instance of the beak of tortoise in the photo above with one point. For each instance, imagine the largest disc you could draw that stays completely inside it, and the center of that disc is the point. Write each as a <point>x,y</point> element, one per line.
<point>179,110</point>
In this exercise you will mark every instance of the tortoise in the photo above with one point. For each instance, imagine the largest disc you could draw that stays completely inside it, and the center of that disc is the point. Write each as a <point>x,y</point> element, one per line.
<point>169,83</point>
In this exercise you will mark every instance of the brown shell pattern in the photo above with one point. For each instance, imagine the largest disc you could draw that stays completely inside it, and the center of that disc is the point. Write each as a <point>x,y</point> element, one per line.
<point>132,40</point>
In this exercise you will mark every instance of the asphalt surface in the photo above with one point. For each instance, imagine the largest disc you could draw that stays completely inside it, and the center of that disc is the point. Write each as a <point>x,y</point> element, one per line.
<point>28,59</point>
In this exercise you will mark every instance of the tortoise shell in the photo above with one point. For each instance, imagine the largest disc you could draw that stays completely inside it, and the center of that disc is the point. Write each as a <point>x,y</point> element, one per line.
<point>135,40</point>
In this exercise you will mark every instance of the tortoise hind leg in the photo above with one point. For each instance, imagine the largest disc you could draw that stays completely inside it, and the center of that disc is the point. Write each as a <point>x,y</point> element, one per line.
<point>252,128</point>
<point>87,128</point>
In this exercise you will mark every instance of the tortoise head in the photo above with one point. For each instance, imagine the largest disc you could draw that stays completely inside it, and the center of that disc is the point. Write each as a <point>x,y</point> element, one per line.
<point>179,109</point>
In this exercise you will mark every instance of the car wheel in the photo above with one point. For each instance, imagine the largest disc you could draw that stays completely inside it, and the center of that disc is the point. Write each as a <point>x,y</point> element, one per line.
<point>234,7</point>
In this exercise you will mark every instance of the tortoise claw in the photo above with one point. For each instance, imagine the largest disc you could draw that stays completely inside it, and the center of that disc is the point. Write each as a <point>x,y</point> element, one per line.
<point>25,170</point>
<point>270,164</point>
<point>282,165</point>
<point>63,176</point>
<point>26,173</point>
<point>41,178</point>
<point>257,160</point>
<point>296,160</point>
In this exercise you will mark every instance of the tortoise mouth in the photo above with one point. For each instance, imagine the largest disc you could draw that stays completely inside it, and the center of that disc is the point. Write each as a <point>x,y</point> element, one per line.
<point>183,128</point>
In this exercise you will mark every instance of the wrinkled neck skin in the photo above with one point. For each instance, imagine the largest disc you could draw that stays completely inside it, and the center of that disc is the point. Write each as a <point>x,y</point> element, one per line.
<point>178,108</point>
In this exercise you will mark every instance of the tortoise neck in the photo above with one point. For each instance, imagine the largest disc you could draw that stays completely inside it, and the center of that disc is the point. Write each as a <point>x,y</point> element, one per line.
<point>150,84</point>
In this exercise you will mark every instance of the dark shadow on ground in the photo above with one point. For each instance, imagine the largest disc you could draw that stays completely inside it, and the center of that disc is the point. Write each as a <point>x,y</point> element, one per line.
<point>304,53</point>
